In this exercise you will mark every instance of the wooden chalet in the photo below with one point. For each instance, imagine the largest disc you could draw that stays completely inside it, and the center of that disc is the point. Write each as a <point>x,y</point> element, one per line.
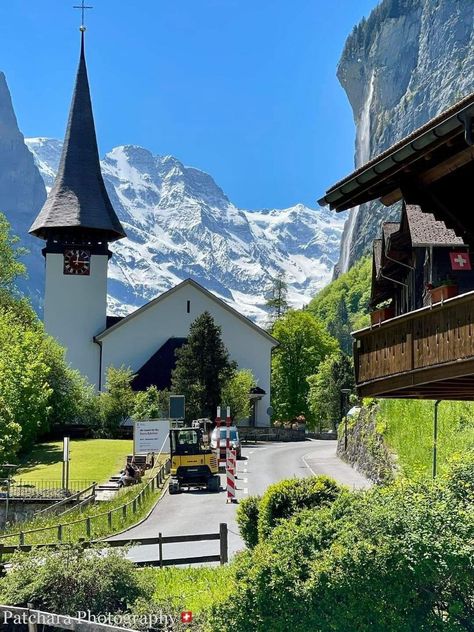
<point>421,340</point>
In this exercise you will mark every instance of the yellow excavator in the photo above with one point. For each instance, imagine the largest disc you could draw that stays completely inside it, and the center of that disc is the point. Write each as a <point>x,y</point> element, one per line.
<point>193,463</point>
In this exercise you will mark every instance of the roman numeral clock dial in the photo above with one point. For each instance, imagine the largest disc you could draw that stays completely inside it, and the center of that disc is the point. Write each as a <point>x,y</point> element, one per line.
<point>77,261</point>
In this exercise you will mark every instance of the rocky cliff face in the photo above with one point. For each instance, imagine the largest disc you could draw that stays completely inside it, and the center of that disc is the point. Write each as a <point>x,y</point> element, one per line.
<point>22,190</point>
<point>406,63</point>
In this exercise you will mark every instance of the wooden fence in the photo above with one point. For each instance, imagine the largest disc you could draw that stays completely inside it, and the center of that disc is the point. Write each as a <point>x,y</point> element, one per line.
<point>222,557</point>
<point>34,618</point>
<point>155,482</point>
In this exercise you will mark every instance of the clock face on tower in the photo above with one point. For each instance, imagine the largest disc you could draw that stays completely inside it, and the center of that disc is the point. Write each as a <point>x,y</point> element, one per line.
<point>77,261</point>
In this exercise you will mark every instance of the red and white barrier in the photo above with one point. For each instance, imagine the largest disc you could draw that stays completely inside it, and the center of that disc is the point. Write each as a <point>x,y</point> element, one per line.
<point>231,476</point>
<point>218,440</point>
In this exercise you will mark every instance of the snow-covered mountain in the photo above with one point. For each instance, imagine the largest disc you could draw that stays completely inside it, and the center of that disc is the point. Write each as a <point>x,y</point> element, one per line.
<point>180,224</point>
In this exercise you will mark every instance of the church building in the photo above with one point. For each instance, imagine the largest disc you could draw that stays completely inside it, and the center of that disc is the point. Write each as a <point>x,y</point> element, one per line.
<point>78,223</point>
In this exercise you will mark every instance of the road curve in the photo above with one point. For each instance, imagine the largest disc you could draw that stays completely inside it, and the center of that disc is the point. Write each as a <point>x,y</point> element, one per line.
<point>201,512</point>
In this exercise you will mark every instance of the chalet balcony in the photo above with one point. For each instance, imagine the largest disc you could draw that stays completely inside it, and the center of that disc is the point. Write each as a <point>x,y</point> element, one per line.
<point>426,354</point>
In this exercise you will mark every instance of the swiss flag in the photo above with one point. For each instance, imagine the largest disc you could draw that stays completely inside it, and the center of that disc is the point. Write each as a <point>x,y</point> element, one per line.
<point>187,616</point>
<point>460,261</point>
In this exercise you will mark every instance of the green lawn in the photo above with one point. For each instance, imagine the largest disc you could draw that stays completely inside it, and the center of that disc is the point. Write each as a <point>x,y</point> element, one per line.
<point>91,460</point>
<point>408,429</point>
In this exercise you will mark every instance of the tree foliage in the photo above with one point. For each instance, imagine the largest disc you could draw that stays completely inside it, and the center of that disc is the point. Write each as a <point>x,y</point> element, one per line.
<point>326,401</point>
<point>151,404</point>
<point>235,393</point>
<point>117,402</point>
<point>303,345</point>
<point>11,266</point>
<point>203,368</point>
<point>342,306</point>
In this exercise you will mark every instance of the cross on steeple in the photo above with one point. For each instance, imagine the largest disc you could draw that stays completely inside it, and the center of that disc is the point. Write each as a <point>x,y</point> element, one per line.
<point>83,8</point>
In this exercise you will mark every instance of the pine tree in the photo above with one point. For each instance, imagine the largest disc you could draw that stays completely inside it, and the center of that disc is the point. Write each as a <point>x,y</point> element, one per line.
<point>276,299</point>
<point>202,369</point>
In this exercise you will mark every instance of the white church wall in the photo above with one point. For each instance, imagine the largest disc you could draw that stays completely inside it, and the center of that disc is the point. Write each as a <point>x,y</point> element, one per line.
<point>75,311</point>
<point>133,343</point>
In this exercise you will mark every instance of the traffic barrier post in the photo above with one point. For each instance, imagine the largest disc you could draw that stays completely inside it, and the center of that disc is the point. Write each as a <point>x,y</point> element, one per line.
<point>230,475</point>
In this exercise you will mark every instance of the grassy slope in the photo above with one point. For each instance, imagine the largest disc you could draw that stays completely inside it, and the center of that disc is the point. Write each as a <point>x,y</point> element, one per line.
<point>74,522</point>
<point>408,429</point>
<point>91,460</point>
<point>194,589</point>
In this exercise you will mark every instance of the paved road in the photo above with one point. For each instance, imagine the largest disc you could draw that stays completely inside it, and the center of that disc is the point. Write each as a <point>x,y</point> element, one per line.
<point>201,512</point>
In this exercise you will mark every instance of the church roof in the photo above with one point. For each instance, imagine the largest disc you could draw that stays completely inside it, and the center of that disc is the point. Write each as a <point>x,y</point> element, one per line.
<point>79,199</point>
<point>158,369</point>
<point>202,289</point>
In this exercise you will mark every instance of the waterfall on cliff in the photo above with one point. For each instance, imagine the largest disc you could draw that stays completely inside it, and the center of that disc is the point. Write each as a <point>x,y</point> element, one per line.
<point>361,157</point>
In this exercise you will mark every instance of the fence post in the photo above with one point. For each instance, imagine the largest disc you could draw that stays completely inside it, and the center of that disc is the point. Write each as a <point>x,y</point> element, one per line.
<point>60,532</point>
<point>32,623</point>
<point>88,527</point>
<point>109,519</point>
<point>134,505</point>
<point>1,553</point>
<point>152,484</point>
<point>124,511</point>
<point>22,538</point>
<point>223,543</point>
<point>160,549</point>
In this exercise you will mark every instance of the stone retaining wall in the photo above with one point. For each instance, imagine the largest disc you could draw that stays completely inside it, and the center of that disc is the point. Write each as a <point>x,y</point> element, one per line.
<point>251,433</point>
<point>367,451</point>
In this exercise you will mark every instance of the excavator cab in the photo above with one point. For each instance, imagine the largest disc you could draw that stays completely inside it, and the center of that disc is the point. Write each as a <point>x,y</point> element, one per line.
<point>193,463</point>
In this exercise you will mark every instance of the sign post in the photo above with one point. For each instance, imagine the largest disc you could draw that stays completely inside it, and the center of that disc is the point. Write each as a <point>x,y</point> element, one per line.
<point>66,459</point>
<point>151,436</point>
<point>177,407</point>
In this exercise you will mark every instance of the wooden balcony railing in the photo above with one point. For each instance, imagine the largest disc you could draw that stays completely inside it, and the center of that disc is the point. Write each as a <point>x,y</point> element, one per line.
<point>424,353</point>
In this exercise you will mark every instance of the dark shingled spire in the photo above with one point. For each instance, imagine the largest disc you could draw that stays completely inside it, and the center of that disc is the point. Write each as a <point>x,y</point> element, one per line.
<point>78,203</point>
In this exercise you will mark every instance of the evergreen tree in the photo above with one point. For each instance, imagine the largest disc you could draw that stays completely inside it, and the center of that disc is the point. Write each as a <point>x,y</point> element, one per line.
<point>276,299</point>
<point>202,369</point>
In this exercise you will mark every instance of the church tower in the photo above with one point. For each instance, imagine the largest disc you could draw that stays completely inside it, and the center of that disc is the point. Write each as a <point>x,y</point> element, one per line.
<point>78,222</point>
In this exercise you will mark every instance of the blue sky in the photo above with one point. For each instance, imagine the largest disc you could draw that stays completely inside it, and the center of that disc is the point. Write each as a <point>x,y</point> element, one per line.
<point>243,89</point>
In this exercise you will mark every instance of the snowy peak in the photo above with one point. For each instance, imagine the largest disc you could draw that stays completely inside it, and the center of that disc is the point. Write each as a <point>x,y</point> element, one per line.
<point>180,224</point>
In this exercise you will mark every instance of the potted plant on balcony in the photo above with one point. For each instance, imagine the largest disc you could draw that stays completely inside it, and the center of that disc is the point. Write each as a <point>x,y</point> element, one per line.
<point>447,288</point>
<point>383,312</point>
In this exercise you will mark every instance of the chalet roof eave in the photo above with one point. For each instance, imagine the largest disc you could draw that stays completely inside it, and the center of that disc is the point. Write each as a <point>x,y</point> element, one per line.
<point>341,196</point>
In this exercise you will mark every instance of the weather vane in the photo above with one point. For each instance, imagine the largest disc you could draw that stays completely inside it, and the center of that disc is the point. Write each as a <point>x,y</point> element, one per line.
<point>83,8</point>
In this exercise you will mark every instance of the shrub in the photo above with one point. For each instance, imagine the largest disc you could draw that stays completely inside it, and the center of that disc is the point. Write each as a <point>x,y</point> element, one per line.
<point>66,581</point>
<point>284,499</point>
<point>247,519</point>
<point>397,559</point>
<point>460,476</point>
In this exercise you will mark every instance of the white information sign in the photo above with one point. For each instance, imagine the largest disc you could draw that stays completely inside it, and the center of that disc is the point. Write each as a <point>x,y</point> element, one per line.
<point>151,436</point>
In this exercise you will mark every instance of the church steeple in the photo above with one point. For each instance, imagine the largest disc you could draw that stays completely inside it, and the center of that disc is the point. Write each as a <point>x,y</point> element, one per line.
<point>78,206</point>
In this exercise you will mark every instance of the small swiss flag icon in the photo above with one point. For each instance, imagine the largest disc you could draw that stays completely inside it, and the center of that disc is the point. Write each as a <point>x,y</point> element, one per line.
<point>460,261</point>
<point>186,616</point>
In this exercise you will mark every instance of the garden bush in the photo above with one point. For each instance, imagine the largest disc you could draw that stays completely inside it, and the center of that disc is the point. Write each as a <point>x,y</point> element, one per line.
<point>397,559</point>
<point>285,498</point>
<point>67,581</point>
<point>247,519</point>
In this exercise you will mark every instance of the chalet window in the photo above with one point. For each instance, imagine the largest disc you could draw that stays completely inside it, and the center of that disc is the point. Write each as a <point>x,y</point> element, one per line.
<point>188,307</point>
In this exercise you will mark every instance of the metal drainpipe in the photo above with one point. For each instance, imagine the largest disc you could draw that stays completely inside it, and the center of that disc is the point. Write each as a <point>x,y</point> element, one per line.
<point>99,342</point>
<point>435,435</point>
